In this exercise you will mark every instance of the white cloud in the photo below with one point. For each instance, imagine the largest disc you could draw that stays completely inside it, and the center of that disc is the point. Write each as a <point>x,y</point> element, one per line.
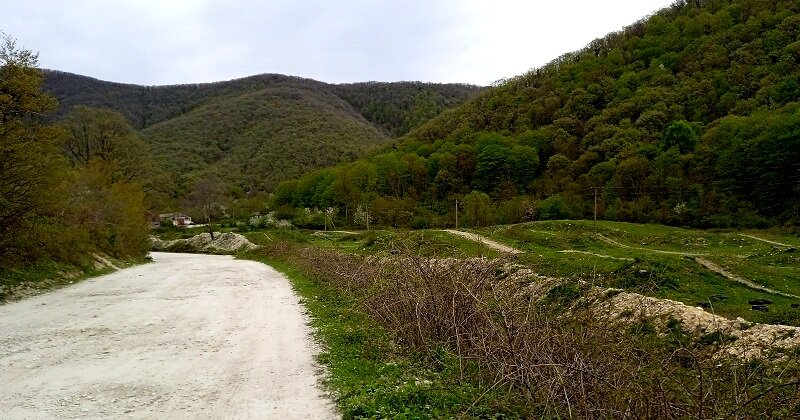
<point>187,41</point>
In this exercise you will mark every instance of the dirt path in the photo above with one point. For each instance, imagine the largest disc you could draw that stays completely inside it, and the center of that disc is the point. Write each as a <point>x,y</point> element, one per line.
<point>188,336</point>
<point>730,276</point>
<point>608,240</point>
<point>594,254</point>
<point>485,241</point>
<point>766,240</point>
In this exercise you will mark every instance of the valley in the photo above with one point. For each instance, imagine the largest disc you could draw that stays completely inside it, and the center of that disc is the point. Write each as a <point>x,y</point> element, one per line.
<point>612,234</point>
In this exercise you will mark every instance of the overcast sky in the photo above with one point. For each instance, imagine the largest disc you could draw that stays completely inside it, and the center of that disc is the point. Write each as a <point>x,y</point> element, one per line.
<point>156,42</point>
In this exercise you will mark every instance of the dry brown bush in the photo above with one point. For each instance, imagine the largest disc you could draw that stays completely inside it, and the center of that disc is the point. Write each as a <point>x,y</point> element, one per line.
<point>566,361</point>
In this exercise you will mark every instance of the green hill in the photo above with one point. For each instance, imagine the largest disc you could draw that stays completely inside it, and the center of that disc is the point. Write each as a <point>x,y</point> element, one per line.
<point>255,131</point>
<point>261,137</point>
<point>400,107</point>
<point>689,116</point>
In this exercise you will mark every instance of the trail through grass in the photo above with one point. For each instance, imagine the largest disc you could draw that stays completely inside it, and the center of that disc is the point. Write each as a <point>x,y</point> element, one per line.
<point>660,261</point>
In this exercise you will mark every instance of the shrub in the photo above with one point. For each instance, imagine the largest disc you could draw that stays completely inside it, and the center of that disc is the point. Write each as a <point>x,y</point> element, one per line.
<point>564,362</point>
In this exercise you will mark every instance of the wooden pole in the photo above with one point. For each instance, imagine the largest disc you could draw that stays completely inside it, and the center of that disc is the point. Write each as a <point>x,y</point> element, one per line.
<point>456,214</point>
<point>595,209</point>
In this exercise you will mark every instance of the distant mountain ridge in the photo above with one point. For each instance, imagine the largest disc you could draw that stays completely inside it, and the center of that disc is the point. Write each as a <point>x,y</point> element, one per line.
<point>690,116</point>
<point>381,103</point>
<point>256,131</point>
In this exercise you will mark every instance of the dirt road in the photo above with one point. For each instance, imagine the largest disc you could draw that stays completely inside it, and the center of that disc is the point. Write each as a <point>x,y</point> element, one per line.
<point>188,336</point>
<point>485,241</point>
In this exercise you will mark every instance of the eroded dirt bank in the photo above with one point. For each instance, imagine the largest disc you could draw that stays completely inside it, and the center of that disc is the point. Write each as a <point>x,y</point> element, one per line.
<point>188,336</point>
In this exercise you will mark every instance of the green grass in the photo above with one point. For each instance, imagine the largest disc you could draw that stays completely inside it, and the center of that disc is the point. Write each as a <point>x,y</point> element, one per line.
<point>43,275</point>
<point>637,265</point>
<point>371,377</point>
<point>427,242</point>
<point>643,258</point>
<point>647,259</point>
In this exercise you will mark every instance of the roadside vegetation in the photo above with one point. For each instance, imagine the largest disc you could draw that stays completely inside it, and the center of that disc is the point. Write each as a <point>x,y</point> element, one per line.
<point>71,193</point>
<point>417,323</point>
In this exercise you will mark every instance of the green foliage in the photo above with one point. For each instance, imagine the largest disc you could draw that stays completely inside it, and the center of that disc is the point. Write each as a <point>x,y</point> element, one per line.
<point>29,157</point>
<point>52,214</point>
<point>101,134</point>
<point>256,131</point>
<point>759,160</point>
<point>647,278</point>
<point>256,139</point>
<point>687,117</point>
<point>400,107</point>
<point>564,293</point>
<point>112,213</point>
<point>680,135</point>
<point>555,207</point>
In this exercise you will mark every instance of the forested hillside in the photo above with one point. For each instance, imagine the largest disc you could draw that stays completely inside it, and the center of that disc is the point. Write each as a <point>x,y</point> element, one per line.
<point>689,116</point>
<point>256,139</point>
<point>400,107</point>
<point>251,133</point>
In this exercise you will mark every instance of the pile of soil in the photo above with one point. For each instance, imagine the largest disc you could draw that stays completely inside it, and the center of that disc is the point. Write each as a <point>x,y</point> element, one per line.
<point>222,242</point>
<point>744,339</point>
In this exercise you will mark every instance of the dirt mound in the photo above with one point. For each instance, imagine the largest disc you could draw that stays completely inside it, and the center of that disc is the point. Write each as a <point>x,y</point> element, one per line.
<point>222,242</point>
<point>741,338</point>
<point>738,337</point>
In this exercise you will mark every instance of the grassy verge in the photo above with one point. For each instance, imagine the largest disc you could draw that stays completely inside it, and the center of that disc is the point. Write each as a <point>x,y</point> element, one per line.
<point>431,242</point>
<point>408,336</point>
<point>370,376</point>
<point>40,276</point>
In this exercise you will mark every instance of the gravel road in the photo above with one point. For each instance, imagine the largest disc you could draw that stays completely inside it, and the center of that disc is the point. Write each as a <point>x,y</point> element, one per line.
<point>187,336</point>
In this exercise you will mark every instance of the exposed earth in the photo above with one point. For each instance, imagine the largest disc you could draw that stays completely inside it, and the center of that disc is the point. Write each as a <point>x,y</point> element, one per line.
<point>187,336</point>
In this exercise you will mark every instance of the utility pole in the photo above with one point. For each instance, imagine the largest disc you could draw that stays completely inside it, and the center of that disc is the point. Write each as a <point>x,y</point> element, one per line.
<point>456,214</point>
<point>595,209</point>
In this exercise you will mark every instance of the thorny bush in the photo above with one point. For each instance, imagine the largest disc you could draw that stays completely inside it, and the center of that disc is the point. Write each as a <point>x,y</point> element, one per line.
<point>565,361</point>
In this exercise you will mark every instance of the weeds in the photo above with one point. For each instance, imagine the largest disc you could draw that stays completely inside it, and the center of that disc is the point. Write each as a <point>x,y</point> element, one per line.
<point>487,323</point>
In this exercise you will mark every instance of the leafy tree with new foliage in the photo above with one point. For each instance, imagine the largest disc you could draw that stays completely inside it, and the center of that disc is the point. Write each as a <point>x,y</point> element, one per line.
<point>110,163</point>
<point>29,158</point>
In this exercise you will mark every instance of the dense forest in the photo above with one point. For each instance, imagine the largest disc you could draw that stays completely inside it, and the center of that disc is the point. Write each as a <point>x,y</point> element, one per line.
<point>68,190</point>
<point>248,134</point>
<point>689,117</point>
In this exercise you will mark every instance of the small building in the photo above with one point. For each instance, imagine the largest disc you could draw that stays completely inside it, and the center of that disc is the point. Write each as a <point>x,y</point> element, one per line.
<point>153,220</point>
<point>177,219</point>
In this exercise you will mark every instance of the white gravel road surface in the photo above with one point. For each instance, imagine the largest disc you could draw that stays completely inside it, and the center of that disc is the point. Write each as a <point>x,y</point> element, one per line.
<point>187,336</point>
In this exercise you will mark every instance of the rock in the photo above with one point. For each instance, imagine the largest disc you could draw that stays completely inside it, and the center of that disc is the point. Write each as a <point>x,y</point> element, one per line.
<point>761,308</point>
<point>760,302</point>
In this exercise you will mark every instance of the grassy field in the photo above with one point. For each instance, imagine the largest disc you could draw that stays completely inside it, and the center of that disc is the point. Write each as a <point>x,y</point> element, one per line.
<point>655,260</point>
<point>662,261</point>
<point>426,242</point>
